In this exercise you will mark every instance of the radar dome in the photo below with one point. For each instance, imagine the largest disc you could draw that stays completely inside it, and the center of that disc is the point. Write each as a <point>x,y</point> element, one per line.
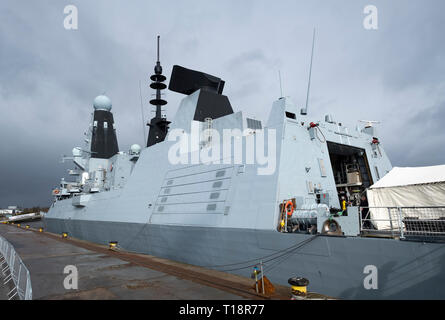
<point>135,149</point>
<point>102,103</point>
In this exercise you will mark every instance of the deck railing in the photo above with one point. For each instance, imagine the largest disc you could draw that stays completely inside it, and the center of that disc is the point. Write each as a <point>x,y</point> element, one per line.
<point>14,272</point>
<point>404,222</point>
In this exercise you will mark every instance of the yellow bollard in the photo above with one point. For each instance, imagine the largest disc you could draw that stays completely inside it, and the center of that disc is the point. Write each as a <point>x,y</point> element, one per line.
<point>40,229</point>
<point>299,289</point>
<point>299,286</point>
<point>112,245</point>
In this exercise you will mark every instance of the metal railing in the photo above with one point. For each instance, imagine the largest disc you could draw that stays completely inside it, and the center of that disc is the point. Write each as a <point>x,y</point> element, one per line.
<point>14,272</point>
<point>404,222</point>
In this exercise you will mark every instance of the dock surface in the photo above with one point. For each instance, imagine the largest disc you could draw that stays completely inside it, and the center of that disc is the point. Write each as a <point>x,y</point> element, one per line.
<point>108,274</point>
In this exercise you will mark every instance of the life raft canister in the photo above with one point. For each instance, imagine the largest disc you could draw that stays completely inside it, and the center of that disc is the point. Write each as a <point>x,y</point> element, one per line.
<point>286,208</point>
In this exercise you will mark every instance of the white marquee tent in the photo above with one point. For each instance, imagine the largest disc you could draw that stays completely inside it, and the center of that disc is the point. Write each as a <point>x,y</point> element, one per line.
<point>407,187</point>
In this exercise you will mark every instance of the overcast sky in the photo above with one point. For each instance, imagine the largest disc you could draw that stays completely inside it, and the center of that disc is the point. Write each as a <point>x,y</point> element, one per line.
<point>49,76</point>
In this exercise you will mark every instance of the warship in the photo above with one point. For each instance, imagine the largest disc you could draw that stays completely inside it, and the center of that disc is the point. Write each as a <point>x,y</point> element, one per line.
<point>222,190</point>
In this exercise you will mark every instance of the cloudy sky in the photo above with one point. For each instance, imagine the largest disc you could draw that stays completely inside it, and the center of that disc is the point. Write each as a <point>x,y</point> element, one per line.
<point>49,76</point>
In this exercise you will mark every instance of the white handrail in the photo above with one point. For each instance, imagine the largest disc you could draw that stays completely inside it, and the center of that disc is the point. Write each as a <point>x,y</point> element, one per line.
<point>14,269</point>
<point>403,222</point>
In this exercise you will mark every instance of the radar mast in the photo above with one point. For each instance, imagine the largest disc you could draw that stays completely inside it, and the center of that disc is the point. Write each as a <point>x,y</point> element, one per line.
<point>158,124</point>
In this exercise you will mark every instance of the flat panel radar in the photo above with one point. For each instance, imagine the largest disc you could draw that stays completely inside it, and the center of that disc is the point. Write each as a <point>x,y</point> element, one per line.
<point>187,81</point>
<point>211,103</point>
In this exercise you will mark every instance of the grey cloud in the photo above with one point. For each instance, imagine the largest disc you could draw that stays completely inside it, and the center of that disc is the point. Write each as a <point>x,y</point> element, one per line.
<point>245,59</point>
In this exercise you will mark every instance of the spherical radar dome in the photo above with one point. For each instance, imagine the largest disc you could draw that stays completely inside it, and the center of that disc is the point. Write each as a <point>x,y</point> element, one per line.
<point>135,149</point>
<point>102,103</point>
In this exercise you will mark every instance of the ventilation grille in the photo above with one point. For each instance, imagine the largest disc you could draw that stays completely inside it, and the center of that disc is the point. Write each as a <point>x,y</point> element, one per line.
<point>194,190</point>
<point>254,124</point>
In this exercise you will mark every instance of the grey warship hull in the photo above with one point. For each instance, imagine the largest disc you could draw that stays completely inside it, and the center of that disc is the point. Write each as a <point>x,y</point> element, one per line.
<point>334,265</point>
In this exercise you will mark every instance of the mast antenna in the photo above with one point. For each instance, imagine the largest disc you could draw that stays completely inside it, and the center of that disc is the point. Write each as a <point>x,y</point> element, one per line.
<point>281,88</point>
<point>158,124</point>
<point>158,47</point>
<point>304,111</point>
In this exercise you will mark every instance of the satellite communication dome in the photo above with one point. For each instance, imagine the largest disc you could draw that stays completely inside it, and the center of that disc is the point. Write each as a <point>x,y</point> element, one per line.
<point>102,103</point>
<point>77,152</point>
<point>135,149</point>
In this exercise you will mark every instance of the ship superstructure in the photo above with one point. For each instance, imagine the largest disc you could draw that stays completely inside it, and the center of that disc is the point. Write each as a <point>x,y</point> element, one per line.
<point>99,166</point>
<point>224,190</point>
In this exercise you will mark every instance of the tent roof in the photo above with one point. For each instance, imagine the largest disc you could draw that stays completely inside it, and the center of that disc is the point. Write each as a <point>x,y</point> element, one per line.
<point>411,176</point>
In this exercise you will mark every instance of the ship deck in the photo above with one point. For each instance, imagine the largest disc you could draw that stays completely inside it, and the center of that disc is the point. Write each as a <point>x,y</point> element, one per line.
<point>113,274</point>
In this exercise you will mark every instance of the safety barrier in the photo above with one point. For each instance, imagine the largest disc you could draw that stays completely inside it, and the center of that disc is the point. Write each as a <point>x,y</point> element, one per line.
<point>14,272</point>
<point>404,222</point>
